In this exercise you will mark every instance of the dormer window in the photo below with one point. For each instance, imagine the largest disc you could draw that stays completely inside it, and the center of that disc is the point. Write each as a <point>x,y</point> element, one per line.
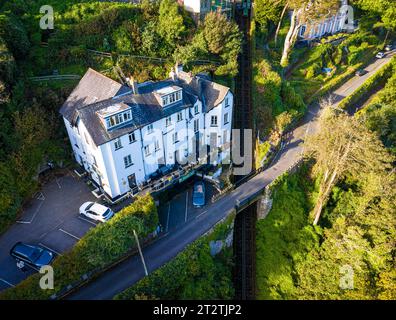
<point>115,115</point>
<point>118,119</point>
<point>169,95</point>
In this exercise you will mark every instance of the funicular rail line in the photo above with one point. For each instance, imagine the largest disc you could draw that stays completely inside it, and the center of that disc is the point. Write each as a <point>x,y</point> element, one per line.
<point>244,244</point>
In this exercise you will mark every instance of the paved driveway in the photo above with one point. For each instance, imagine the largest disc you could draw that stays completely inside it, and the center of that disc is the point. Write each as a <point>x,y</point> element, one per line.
<point>177,211</point>
<point>50,219</point>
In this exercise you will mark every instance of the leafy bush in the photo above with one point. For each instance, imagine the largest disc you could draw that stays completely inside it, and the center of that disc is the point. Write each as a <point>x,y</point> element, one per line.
<point>273,96</point>
<point>375,81</point>
<point>193,274</point>
<point>380,114</point>
<point>356,53</point>
<point>100,246</point>
<point>261,152</point>
<point>284,236</point>
<point>15,35</point>
<point>313,70</point>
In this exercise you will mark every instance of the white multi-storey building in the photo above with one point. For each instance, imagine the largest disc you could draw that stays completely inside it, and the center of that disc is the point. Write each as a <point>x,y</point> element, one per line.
<point>200,8</point>
<point>341,21</point>
<point>121,135</point>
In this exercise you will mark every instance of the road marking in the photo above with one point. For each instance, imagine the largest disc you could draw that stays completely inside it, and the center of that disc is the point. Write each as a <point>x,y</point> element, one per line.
<point>58,183</point>
<point>86,220</point>
<point>69,234</point>
<point>185,215</point>
<point>34,215</point>
<point>167,218</point>
<point>39,196</point>
<point>43,245</point>
<point>9,283</point>
<point>201,214</point>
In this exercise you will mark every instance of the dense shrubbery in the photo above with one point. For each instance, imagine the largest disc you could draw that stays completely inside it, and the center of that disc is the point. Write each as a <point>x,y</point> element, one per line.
<point>262,150</point>
<point>375,81</point>
<point>193,274</point>
<point>217,38</point>
<point>28,138</point>
<point>276,103</point>
<point>296,260</point>
<point>380,114</point>
<point>344,58</point>
<point>284,237</point>
<point>100,247</point>
<point>154,29</point>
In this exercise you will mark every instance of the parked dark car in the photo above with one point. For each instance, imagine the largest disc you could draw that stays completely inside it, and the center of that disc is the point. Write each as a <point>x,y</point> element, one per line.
<point>360,72</point>
<point>31,255</point>
<point>199,194</point>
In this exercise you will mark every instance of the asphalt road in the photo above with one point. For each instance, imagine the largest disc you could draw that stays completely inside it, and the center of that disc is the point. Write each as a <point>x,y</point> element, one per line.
<point>50,219</point>
<point>179,209</point>
<point>168,246</point>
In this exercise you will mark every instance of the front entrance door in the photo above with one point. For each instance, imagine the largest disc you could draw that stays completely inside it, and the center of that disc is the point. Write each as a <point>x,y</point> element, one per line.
<point>177,157</point>
<point>132,183</point>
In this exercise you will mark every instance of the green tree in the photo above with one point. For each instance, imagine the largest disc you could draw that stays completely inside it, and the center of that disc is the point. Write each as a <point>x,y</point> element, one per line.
<point>7,65</point>
<point>170,23</point>
<point>304,11</point>
<point>33,130</point>
<point>15,35</point>
<point>385,9</point>
<point>223,38</point>
<point>343,145</point>
<point>127,37</point>
<point>150,39</point>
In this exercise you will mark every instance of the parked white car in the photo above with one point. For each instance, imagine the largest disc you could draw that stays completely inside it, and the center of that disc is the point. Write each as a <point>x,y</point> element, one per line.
<point>96,211</point>
<point>380,55</point>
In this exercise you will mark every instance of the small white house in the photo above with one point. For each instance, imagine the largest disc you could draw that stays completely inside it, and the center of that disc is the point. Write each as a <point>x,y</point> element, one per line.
<point>121,135</point>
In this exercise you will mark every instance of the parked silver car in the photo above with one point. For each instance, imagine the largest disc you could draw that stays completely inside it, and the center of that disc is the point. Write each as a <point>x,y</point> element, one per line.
<point>380,55</point>
<point>96,211</point>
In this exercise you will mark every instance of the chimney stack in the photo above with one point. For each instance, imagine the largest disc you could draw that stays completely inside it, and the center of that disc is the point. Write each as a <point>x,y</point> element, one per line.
<point>173,75</point>
<point>178,68</point>
<point>133,85</point>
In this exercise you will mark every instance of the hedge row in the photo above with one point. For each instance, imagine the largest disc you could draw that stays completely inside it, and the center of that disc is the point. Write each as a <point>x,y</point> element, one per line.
<point>334,83</point>
<point>365,90</point>
<point>362,46</point>
<point>100,247</point>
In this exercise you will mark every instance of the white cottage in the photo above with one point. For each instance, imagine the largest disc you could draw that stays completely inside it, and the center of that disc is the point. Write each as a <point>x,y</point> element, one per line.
<point>121,135</point>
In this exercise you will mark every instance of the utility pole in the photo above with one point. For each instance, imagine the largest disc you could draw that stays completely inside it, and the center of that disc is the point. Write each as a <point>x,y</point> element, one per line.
<point>140,252</point>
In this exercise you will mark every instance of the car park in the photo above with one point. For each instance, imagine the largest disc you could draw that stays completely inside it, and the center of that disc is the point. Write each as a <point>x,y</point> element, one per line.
<point>96,211</point>
<point>380,55</point>
<point>33,256</point>
<point>199,194</point>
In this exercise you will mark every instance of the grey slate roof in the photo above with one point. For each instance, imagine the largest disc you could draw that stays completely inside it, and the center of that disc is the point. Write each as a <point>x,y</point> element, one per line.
<point>145,110</point>
<point>95,92</point>
<point>93,87</point>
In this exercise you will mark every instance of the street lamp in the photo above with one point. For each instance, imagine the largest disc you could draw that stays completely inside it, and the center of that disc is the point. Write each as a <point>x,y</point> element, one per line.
<point>140,252</point>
